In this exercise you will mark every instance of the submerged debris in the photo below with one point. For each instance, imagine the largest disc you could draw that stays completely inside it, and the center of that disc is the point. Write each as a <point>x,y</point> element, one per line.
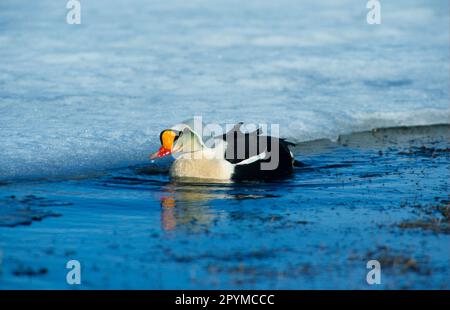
<point>424,151</point>
<point>398,262</point>
<point>435,218</point>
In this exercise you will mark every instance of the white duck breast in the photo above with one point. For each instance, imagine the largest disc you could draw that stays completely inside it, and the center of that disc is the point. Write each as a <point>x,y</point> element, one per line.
<point>211,169</point>
<point>199,161</point>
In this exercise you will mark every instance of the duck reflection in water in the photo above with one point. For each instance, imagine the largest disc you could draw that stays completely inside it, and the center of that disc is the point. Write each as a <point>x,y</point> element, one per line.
<point>185,206</point>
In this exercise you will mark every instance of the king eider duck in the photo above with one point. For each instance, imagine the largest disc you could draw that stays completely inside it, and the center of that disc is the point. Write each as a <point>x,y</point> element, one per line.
<point>229,157</point>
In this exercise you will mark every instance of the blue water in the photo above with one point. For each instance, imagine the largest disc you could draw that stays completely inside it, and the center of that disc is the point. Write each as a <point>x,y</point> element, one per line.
<point>81,108</point>
<point>134,228</point>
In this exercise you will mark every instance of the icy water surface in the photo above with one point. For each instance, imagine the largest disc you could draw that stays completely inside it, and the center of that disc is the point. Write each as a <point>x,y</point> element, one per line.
<point>379,195</point>
<point>82,106</point>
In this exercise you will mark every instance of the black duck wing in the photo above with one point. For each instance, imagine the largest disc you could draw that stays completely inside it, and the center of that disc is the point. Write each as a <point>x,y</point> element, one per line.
<point>257,156</point>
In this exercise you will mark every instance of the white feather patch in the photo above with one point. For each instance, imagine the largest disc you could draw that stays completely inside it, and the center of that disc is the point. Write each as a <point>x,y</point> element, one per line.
<point>252,159</point>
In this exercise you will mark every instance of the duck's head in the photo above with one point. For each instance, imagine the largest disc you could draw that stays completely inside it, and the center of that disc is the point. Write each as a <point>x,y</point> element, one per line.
<point>178,140</point>
<point>168,140</point>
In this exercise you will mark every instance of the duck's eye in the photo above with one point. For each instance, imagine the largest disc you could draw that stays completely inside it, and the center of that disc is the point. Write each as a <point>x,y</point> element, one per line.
<point>178,134</point>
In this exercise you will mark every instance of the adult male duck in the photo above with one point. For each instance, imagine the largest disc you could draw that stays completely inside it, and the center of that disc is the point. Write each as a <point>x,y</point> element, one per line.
<point>233,156</point>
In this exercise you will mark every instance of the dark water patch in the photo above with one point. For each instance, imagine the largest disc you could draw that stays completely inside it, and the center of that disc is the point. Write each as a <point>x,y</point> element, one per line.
<point>366,175</point>
<point>335,166</point>
<point>388,83</point>
<point>129,182</point>
<point>239,196</point>
<point>267,220</point>
<point>12,217</point>
<point>27,271</point>
<point>152,170</point>
<point>32,200</point>
<point>230,256</point>
<point>319,167</point>
<point>23,211</point>
<point>304,170</point>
